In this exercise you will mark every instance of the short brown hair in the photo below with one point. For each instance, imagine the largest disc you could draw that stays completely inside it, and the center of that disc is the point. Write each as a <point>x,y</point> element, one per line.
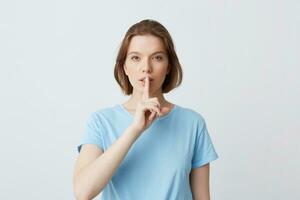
<point>173,78</point>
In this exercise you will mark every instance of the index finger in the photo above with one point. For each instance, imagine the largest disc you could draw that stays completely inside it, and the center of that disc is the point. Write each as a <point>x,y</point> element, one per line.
<point>146,89</point>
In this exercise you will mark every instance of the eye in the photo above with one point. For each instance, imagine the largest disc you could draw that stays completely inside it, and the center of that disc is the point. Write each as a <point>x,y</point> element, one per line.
<point>159,58</point>
<point>135,58</point>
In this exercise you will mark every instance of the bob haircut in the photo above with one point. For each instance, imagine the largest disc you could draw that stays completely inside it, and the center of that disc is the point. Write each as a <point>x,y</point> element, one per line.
<point>173,79</point>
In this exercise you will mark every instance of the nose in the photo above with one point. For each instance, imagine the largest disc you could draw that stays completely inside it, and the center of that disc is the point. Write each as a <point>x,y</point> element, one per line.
<point>146,67</point>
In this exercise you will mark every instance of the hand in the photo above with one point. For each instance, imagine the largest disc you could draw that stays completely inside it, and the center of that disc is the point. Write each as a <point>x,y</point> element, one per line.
<point>148,109</point>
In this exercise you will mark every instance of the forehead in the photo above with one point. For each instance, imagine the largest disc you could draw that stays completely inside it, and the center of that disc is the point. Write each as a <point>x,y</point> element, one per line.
<point>146,44</point>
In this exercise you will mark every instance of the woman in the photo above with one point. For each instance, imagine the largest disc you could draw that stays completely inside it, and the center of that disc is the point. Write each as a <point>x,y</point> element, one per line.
<point>147,147</point>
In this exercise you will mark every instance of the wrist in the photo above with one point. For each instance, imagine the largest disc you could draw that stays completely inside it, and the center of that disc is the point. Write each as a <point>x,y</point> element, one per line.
<point>134,130</point>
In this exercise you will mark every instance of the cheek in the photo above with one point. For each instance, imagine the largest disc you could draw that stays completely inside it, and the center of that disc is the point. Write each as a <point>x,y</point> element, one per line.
<point>132,76</point>
<point>163,71</point>
<point>129,70</point>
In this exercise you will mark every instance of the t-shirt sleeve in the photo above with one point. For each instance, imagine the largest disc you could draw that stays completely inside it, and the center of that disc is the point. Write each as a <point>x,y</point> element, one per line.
<point>92,133</point>
<point>204,151</point>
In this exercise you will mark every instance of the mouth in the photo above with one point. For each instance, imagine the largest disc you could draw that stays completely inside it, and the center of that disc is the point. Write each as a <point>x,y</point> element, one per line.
<point>142,81</point>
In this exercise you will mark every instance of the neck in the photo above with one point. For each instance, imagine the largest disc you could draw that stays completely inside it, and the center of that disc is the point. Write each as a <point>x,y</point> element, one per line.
<point>137,97</point>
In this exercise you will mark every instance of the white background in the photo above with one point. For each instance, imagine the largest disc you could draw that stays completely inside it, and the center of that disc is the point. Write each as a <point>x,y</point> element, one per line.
<point>241,72</point>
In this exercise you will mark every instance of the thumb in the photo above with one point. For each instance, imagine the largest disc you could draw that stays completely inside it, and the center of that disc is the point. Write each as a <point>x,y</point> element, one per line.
<point>152,116</point>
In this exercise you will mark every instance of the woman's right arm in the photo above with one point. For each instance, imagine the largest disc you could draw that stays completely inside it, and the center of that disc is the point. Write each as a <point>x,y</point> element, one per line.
<point>94,169</point>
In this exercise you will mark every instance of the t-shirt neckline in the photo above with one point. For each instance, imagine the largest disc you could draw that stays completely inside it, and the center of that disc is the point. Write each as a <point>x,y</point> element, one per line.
<point>159,118</point>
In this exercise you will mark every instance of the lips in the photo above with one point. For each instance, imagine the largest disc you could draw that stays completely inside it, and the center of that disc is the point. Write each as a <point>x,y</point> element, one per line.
<point>143,79</point>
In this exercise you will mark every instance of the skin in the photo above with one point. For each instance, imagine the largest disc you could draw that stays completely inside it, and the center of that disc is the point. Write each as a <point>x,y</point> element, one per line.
<point>199,182</point>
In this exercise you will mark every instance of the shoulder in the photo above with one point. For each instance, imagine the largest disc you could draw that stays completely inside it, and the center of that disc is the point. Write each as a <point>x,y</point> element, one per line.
<point>103,113</point>
<point>189,113</point>
<point>191,117</point>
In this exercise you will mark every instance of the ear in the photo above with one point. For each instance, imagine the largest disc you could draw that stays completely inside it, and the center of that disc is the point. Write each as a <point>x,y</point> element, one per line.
<point>125,69</point>
<point>169,69</point>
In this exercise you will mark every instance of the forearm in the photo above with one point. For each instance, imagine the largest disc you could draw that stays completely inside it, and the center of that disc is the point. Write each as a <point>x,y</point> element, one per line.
<point>94,177</point>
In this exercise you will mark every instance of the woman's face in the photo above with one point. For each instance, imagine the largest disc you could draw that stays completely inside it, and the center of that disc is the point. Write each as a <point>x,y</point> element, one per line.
<point>146,55</point>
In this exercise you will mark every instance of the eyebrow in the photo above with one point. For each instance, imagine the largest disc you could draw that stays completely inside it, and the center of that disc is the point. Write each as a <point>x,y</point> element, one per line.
<point>135,52</point>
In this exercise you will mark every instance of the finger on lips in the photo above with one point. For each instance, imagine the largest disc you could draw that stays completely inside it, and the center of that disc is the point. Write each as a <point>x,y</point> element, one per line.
<point>146,89</point>
<point>153,100</point>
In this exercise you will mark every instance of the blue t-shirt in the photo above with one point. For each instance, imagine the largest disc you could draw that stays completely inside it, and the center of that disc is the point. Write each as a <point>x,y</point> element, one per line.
<point>158,164</point>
